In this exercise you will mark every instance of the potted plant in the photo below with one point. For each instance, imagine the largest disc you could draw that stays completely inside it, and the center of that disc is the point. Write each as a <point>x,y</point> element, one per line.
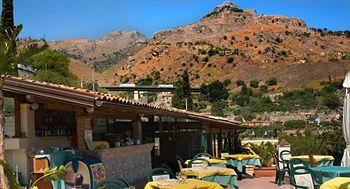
<point>266,152</point>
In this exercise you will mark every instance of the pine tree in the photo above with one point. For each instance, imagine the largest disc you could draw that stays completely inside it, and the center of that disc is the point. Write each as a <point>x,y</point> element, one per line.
<point>183,93</point>
<point>7,20</point>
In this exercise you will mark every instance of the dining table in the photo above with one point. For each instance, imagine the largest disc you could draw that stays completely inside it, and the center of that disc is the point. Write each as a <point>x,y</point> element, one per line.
<point>330,172</point>
<point>223,176</point>
<point>337,183</point>
<point>182,184</point>
<point>213,161</point>
<point>317,158</point>
<point>239,161</point>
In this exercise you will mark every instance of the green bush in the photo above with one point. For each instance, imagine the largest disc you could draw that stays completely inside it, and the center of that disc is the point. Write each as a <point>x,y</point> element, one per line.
<point>254,83</point>
<point>272,81</point>
<point>240,83</point>
<point>218,108</point>
<point>331,101</point>
<point>230,60</point>
<point>236,9</point>
<point>264,89</point>
<point>295,124</point>
<point>305,145</point>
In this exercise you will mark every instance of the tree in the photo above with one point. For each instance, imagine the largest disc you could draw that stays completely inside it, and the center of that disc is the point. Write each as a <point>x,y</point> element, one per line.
<point>9,57</point>
<point>7,66</point>
<point>7,21</point>
<point>182,93</point>
<point>52,66</point>
<point>215,91</point>
<point>218,108</point>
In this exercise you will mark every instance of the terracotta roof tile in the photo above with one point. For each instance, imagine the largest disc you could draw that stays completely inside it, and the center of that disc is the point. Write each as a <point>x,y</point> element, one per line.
<point>114,99</point>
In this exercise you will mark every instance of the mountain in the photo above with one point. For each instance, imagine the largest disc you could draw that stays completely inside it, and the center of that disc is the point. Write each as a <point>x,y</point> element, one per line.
<point>110,46</point>
<point>231,43</point>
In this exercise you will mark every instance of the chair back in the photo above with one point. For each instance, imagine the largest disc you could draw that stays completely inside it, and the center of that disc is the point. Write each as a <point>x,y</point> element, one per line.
<point>224,152</point>
<point>180,162</point>
<point>118,183</point>
<point>301,175</point>
<point>277,161</point>
<point>165,166</point>
<point>284,157</point>
<point>279,150</point>
<point>198,162</point>
<point>159,174</point>
<point>203,155</point>
<point>324,162</point>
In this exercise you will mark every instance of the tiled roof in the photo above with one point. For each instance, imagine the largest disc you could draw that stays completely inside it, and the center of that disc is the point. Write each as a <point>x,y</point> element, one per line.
<point>98,96</point>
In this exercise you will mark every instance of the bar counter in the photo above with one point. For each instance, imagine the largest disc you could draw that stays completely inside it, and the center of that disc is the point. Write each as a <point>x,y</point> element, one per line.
<point>131,163</point>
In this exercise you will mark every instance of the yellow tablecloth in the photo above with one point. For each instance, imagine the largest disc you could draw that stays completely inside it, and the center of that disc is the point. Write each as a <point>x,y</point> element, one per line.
<point>337,183</point>
<point>208,171</point>
<point>211,161</point>
<point>189,184</point>
<point>241,156</point>
<point>316,157</point>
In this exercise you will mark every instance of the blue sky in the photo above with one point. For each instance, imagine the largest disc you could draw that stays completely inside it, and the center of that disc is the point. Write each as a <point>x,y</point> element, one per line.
<point>57,19</point>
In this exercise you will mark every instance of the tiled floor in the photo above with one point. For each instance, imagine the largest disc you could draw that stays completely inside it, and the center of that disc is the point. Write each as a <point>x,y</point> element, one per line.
<point>261,183</point>
<point>245,183</point>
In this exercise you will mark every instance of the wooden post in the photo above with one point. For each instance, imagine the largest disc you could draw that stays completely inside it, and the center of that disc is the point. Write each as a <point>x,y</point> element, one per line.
<point>17,118</point>
<point>229,137</point>
<point>235,141</point>
<point>137,128</point>
<point>219,143</point>
<point>83,123</point>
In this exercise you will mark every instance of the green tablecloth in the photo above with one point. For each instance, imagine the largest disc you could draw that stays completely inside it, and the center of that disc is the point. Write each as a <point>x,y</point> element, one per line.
<point>224,180</point>
<point>239,164</point>
<point>330,172</point>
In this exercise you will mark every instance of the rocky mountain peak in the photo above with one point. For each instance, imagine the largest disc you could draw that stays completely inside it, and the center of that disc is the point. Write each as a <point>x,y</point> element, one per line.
<point>225,6</point>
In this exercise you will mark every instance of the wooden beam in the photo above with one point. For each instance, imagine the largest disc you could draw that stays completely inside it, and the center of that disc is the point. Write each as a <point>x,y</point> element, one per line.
<point>137,128</point>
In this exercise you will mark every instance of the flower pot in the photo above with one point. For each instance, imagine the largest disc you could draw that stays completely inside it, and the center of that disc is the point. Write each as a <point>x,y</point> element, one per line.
<point>265,172</point>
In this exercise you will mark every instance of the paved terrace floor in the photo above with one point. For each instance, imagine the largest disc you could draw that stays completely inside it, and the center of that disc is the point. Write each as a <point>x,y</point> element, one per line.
<point>245,183</point>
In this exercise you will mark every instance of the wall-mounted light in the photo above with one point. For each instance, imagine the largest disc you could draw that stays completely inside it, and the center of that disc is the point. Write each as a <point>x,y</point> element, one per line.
<point>29,98</point>
<point>90,109</point>
<point>34,106</point>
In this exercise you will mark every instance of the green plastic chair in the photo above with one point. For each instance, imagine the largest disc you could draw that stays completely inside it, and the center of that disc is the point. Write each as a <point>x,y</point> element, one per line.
<point>165,166</point>
<point>203,155</point>
<point>202,160</point>
<point>324,163</point>
<point>180,162</point>
<point>157,172</point>
<point>118,183</point>
<point>280,171</point>
<point>299,167</point>
<point>224,153</point>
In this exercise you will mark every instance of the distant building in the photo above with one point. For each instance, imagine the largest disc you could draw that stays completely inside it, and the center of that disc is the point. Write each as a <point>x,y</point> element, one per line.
<point>257,123</point>
<point>25,71</point>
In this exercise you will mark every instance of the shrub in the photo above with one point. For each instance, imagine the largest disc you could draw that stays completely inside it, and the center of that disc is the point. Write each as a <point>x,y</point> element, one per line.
<point>240,83</point>
<point>295,124</point>
<point>331,101</point>
<point>218,108</point>
<point>264,89</point>
<point>246,38</point>
<point>230,60</point>
<point>272,81</point>
<point>206,59</point>
<point>202,51</point>
<point>236,9</point>
<point>279,40</point>
<point>254,83</point>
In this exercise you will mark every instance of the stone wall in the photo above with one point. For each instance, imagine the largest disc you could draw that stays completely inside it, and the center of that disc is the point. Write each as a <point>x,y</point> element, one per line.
<point>131,163</point>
